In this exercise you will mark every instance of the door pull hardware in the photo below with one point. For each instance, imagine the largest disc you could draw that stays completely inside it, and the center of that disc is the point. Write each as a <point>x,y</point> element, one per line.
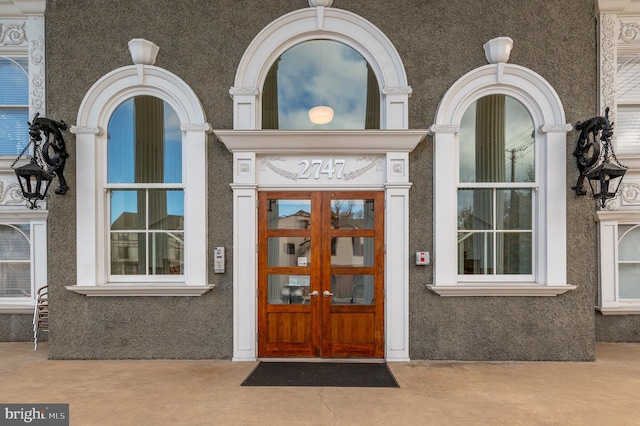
<point>314,293</point>
<point>327,293</point>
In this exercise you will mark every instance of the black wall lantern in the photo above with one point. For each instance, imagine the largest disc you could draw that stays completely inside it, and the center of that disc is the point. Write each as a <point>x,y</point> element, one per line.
<point>36,176</point>
<point>596,160</point>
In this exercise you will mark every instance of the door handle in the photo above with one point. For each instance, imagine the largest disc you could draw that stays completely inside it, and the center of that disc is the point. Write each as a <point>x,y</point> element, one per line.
<point>314,293</point>
<point>327,293</point>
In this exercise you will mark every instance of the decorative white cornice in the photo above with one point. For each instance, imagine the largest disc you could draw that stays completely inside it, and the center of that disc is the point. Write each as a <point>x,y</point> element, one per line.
<point>22,8</point>
<point>362,142</point>
<point>627,7</point>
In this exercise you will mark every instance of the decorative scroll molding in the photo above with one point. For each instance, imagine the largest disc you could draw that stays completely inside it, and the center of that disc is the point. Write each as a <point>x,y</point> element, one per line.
<point>629,32</point>
<point>630,194</point>
<point>269,163</point>
<point>13,33</point>
<point>608,58</point>
<point>373,161</point>
<point>9,195</point>
<point>37,74</point>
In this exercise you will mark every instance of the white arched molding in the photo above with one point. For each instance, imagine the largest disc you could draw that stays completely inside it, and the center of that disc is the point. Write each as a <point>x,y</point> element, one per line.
<point>91,152</point>
<point>546,110</point>
<point>320,23</point>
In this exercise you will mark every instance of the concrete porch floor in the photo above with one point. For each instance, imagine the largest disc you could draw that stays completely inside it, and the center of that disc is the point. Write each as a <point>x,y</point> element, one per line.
<point>208,392</point>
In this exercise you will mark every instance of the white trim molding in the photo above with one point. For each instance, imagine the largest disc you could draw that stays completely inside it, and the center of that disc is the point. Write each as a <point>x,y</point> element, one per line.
<point>140,290</point>
<point>91,143</point>
<point>547,113</point>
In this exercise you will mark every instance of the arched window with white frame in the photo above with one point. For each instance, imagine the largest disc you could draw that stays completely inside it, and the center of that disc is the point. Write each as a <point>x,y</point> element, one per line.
<point>500,211</point>
<point>142,220</point>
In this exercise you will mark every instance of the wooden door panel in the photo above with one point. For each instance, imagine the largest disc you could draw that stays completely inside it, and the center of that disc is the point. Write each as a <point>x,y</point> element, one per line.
<point>289,327</point>
<point>353,327</point>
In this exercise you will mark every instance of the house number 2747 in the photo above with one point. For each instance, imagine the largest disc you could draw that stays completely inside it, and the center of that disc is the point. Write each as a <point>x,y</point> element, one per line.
<point>316,168</point>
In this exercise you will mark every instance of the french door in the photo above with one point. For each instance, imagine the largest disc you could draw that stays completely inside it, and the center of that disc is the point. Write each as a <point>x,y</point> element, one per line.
<point>321,274</point>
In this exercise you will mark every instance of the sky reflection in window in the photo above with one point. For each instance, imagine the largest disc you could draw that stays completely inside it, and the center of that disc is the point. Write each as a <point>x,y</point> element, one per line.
<point>322,72</point>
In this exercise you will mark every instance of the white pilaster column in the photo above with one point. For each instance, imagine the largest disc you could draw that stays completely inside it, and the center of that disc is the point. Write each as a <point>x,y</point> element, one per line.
<point>244,108</point>
<point>397,258</point>
<point>245,259</point>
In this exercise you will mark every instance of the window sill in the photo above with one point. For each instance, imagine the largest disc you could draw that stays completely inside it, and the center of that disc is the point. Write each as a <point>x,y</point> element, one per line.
<point>141,290</point>
<point>17,308</point>
<point>500,289</point>
<point>619,310</point>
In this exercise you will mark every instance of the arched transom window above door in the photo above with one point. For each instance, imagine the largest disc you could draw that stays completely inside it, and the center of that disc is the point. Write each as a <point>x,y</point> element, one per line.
<point>321,84</point>
<point>343,36</point>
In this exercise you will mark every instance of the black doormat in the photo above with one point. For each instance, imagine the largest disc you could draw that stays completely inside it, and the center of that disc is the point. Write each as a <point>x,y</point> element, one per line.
<point>334,374</point>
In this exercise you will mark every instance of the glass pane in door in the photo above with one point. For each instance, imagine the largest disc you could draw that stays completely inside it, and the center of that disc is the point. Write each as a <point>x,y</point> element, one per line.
<point>289,214</point>
<point>354,214</point>
<point>352,251</point>
<point>352,289</point>
<point>288,289</point>
<point>289,251</point>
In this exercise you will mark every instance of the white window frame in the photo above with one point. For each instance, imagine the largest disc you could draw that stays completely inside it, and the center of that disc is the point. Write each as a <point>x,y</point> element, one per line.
<point>609,301</point>
<point>23,35</point>
<point>37,219</point>
<point>142,78</point>
<point>547,113</point>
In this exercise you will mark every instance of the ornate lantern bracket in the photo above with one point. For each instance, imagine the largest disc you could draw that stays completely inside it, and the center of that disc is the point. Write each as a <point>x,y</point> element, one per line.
<point>45,163</point>
<point>596,159</point>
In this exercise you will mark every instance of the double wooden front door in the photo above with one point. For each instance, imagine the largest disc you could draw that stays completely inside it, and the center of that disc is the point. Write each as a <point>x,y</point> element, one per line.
<point>321,274</point>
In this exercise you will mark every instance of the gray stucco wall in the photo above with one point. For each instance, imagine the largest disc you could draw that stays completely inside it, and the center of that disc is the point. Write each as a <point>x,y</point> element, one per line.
<point>439,41</point>
<point>18,328</point>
